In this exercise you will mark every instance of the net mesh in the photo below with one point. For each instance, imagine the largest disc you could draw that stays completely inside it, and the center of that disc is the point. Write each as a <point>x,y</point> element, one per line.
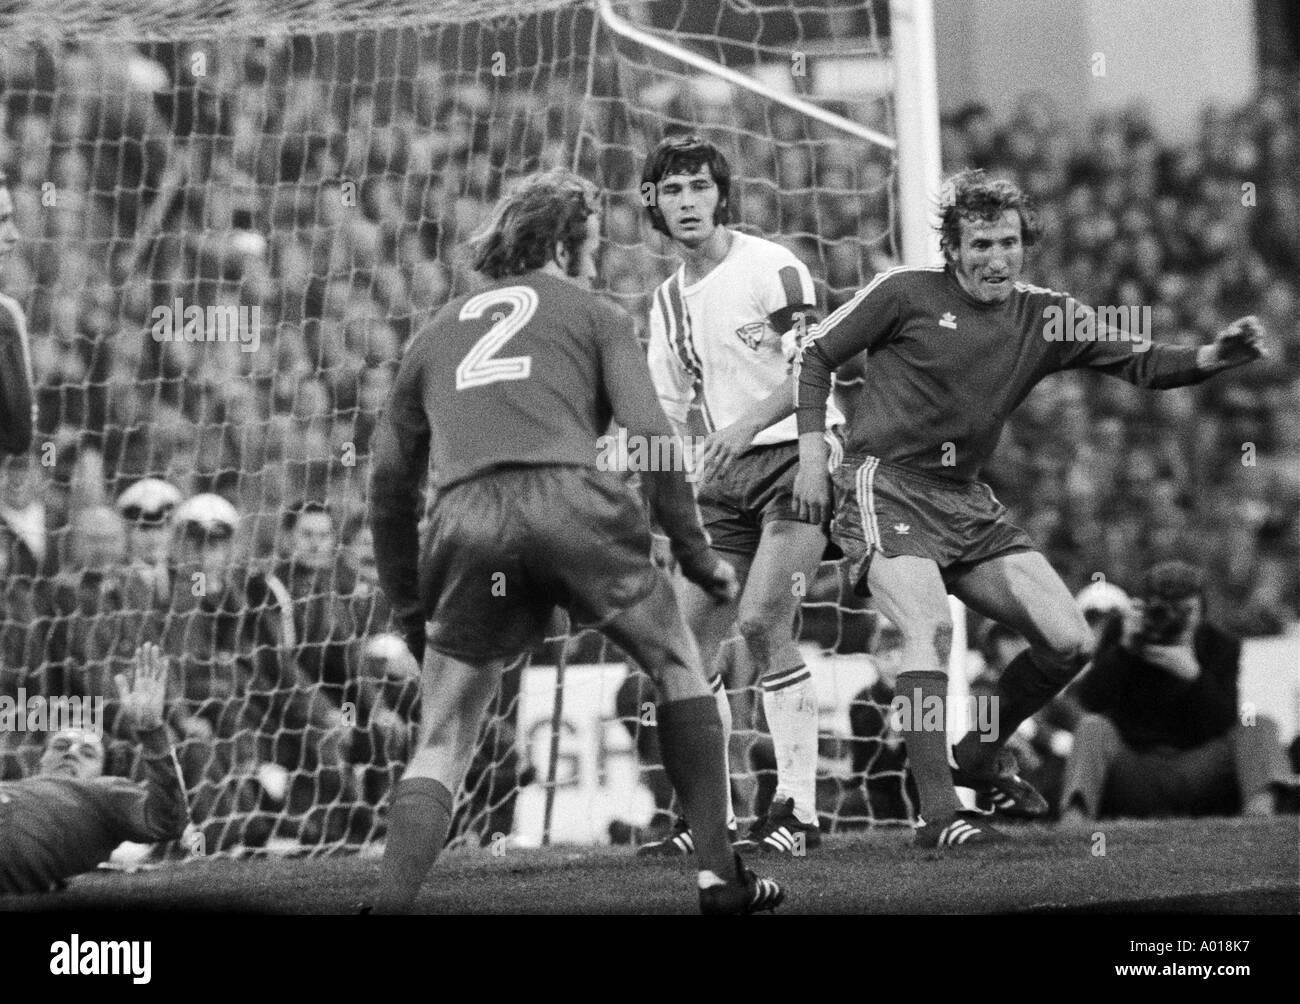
<point>310,170</point>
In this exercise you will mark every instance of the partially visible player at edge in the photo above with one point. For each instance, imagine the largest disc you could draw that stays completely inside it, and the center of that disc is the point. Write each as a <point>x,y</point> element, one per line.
<point>17,402</point>
<point>68,818</point>
<point>719,328</point>
<point>952,351</point>
<point>511,388</point>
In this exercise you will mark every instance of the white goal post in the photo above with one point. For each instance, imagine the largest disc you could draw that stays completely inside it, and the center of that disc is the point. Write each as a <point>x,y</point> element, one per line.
<point>916,147</point>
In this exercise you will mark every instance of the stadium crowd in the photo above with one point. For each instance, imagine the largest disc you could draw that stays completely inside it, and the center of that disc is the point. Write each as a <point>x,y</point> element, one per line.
<point>295,179</point>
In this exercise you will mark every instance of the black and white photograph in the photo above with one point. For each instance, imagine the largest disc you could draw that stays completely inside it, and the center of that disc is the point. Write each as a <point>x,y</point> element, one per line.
<point>646,457</point>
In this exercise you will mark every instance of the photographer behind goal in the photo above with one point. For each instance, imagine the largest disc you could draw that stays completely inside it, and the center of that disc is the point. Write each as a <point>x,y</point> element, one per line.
<point>1162,736</point>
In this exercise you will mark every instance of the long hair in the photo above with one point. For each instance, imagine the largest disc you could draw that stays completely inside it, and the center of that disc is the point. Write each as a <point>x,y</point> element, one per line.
<point>542,210</point>
<point>684,154</point>
<point>973,195</point>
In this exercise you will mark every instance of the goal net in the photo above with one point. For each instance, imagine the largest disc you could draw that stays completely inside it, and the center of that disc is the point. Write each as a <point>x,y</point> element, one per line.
<point>234,215</point>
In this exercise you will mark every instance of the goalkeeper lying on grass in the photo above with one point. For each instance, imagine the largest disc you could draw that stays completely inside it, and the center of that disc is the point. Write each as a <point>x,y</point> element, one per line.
<point>69,818</point>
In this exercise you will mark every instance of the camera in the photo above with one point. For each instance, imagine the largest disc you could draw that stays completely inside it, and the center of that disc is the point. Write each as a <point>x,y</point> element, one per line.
<point>1164,621</point>
<point>1172,593</point>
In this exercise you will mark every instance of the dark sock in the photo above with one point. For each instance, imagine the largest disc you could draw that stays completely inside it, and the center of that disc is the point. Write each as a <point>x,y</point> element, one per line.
<point>418,820</point>
<point>690,744</point>
<point>925,731</point>
<point>1024,688</point>
<point>652,771</point>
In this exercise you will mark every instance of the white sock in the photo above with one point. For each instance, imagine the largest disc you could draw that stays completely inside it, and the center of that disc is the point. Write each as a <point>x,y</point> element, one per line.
<point>790,703</point>
<point>724,713</point>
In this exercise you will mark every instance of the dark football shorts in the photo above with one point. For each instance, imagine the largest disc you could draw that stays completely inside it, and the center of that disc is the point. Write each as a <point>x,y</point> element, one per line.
<point>755,490</point>
<point>508,547</point>
<point>880,507</point>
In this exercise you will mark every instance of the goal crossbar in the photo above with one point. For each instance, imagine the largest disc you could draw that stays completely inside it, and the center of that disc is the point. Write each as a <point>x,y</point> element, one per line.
<point>626,29</point>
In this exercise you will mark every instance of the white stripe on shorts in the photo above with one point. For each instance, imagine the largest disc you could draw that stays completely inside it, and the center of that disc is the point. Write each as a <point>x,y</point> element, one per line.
<point>867,501</point>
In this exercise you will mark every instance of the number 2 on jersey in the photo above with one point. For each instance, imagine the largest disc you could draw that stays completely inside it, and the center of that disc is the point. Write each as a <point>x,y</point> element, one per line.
<point>480,365</point>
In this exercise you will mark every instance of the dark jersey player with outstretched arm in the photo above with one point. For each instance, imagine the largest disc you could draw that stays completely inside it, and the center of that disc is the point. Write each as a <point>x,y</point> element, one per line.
<point>68,818</point>
<point>951,351</point>
<point>946,368</point>
<point>509,391</point>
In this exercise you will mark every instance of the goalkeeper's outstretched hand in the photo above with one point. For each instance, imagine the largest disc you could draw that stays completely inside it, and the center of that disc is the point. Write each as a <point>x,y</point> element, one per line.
<point>144,694</point>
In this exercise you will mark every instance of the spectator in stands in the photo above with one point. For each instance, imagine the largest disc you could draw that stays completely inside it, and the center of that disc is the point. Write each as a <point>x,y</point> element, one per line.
<point>219,653</point>
<point>327,640</point>
<point>373,611</point>
<point>319,584</point>
<point>359,549</point>
<point>146,508</point>
<point>73,482</point>
<point>241,708</point>
<point>93,638</point>
<point>1162,735</point>
<point>97,542</point>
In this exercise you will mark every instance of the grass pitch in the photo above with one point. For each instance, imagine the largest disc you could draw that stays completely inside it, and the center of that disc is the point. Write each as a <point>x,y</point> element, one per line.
<point>1212,866</point>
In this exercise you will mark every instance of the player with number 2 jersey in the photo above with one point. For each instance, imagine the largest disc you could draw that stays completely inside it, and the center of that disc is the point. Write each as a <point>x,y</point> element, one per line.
<point>509,392</point>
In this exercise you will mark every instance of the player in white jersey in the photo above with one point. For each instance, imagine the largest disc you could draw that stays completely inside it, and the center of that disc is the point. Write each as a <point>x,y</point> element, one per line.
<point>722,333</point>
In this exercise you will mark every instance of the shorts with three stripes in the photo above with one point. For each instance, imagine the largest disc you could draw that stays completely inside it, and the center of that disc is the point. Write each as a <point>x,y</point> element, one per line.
<point>887,509</point>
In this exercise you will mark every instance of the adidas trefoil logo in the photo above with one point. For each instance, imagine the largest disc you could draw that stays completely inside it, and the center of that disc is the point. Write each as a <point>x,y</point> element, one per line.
<point>902,528</point>
<point>948,320</point>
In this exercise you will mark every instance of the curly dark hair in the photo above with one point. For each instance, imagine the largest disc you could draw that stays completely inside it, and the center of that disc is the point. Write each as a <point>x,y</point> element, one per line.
<point>1172,580</point>
<point>973,195</point>
<point>544,209</point>
<point>685,153</point>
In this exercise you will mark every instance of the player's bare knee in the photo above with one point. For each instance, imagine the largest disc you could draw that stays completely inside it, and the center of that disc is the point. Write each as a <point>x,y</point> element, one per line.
<point>759,631</point>
<point>659,657</point>
<point>927,637</point>
<point>674,678</point>
<point>664,657</point>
